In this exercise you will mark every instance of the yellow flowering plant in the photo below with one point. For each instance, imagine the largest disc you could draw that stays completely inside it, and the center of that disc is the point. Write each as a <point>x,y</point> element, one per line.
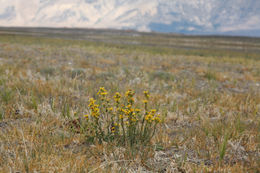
<point>118,119</point>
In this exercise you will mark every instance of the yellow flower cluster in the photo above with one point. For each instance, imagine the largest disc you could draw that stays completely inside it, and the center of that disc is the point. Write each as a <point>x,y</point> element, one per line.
<point>152,116</point>
<point>86,116</point>
<point>146,94</point>
<point>131,113</point>
<point>145,101</point>
<point>119,117</point>
<point>102,91</point>
<point>130,93</point>
<point>137,110</point>
<point>95,111</point>
<point>114,127</point>
<point>126,112</point>
<point>130,96</point>
<point>117,97</point>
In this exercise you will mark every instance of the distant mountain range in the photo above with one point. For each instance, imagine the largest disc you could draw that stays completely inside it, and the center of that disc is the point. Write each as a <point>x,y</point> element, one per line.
<point>230,17</point>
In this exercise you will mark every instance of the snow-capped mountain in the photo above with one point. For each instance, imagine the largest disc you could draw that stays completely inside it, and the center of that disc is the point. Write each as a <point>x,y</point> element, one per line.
<point>185,16</point>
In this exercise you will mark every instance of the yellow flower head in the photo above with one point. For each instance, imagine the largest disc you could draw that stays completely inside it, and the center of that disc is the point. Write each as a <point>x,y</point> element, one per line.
<point>145,101</point>
<point>158,119</point>
<point>86,116</point>
<point>131,110</point>
<point>131,100</point>
<point>150,117</point>
<point>113,129</point>
<point>146,94</point>
<point>95,112</point>
<point>117,96</point>
<point>153,111</point>
<point>91,102</point>
<point>102,91</point>
<point>130,93</point>
<point>137,110</point>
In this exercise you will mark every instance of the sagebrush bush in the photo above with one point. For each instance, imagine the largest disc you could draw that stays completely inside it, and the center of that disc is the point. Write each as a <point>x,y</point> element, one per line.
<point>119,119</point>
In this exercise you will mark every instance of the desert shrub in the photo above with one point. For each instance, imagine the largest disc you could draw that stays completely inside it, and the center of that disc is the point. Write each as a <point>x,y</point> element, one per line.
<point>118,119</point>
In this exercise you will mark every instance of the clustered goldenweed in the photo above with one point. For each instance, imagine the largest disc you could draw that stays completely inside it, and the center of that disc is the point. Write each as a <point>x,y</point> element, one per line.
<point>121,119</point>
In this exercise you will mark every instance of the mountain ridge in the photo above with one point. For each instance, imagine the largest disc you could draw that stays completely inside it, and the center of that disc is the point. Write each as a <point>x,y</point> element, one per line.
<point>180,16</point>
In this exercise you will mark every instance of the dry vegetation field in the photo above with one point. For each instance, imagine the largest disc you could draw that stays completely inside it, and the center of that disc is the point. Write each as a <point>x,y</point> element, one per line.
<point>208,99</point>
